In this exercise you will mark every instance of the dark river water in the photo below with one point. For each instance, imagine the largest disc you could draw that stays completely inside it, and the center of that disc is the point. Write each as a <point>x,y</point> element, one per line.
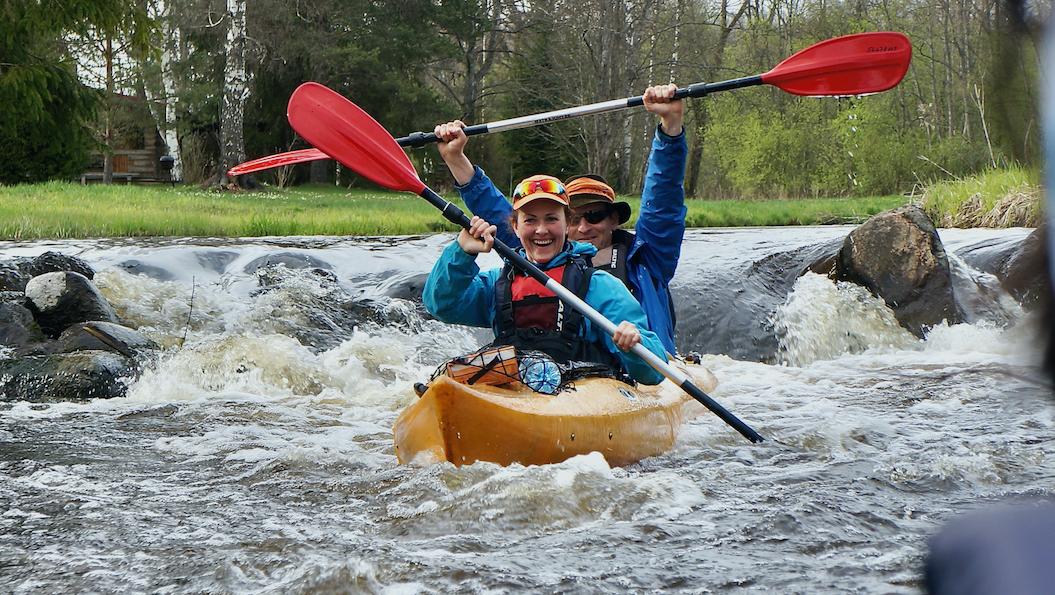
<point>257,456</point>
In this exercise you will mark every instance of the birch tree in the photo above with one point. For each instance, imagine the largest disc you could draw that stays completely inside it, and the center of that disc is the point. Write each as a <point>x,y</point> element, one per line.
<point>235,90</point>
<point>164,103</point>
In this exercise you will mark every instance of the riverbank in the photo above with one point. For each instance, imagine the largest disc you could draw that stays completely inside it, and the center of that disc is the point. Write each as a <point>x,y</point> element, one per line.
<point>1007,197</point>
<point>65,210</point>
<point>999,198</point>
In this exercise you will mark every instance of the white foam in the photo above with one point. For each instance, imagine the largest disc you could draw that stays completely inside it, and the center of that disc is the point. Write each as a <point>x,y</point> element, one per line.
<point>824,320</point>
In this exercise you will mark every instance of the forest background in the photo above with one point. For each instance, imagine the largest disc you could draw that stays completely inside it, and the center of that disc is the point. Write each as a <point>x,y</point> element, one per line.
<point>214,77</point>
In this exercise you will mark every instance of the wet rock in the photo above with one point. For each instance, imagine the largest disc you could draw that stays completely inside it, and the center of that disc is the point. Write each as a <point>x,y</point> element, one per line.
<point>54,262</point>
<point>291,260</point>
<point>898,256</point>
<point>106,336</point>
<point>216,260</point>
<point>990,255</point>
<point>979,295</point>
<point>65,377</point>
<point>405,286</point>
<point>61,299</point>
<point>1025,274</point>
<point>1021,266</point>
<point>137,267</point>
<point>11,278</point>
<point>275,275</point>
<point>18,328</point>
<point>312,306</point>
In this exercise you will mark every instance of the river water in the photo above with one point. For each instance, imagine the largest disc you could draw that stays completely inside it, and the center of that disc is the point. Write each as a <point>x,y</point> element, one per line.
<point>257,456</point>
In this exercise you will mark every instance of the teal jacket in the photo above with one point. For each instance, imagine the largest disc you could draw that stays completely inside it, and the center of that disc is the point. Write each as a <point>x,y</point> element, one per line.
<point>457,292</point>
<point>655,245</point>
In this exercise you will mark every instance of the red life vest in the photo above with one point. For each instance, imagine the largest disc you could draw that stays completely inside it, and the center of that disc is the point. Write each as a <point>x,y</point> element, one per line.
<point>532,318</point>
<point>534,305</point>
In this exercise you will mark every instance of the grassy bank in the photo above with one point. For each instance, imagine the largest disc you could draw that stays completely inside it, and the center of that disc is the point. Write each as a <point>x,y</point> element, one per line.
<point>62,210</point>
<point>997,198</point>
<point>804,211</point>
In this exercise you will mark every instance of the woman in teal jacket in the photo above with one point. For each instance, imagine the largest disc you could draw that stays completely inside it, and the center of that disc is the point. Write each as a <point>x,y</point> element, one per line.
<point>458,292</point>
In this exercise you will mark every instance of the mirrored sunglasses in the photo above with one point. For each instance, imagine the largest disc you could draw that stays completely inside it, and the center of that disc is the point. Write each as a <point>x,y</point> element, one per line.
<point>529,187</point>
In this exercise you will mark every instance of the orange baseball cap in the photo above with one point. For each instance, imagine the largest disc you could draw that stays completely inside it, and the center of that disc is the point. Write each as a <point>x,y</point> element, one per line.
<point>540,186</point>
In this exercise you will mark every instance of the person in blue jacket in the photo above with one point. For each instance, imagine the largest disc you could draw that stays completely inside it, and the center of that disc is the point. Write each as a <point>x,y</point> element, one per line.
<point>523,312</point>
<point>644,260</point>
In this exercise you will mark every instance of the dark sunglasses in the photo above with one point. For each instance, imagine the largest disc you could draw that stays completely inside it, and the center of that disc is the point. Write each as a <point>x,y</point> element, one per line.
<point>592,217</point>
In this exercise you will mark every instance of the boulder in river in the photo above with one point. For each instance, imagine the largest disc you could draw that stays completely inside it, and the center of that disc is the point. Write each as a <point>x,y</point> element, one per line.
<point>16,273</point>
<point>899,257</point>
<point>11,277</point>
<point>291,260</point>
<point>54,262</point>
<point>138,267</point>
<point>65,377</point>
<point>61,299</point>
<point>1025,273</point>
<point>1021,266</point>
<point>18,328</point>
<point>106,336</point>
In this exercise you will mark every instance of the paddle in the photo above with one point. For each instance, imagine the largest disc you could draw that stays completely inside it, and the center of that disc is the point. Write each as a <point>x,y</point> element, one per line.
<point>851,65</point>
<point>346,133</point>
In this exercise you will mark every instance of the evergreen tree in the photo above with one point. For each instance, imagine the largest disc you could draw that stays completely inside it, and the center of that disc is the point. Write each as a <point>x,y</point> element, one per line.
<point>47,111</point>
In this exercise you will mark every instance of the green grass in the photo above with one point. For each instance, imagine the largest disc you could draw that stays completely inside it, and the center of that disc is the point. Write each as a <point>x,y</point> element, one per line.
<point>65,210</point>
<point>943,200</point>
<point>805,211</point>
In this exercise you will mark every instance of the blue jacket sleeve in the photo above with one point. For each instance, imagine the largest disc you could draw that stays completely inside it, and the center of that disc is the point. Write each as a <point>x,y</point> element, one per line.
<point>661,223</point>
<point>487,203</point>
<point>456,292</point>
<point>613,300</point>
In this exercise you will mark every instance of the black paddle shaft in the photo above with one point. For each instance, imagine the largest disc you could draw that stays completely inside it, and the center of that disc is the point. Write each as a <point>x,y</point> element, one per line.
<point>455,215</point>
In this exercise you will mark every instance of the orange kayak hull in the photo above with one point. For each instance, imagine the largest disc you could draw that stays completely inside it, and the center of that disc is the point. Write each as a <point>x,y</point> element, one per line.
<point>509,424</point>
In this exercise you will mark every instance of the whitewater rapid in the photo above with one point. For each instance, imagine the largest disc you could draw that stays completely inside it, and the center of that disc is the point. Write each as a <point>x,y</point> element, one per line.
<point>250,459</point>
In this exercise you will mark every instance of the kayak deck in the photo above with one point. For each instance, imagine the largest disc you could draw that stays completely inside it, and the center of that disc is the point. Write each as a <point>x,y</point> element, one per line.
<point>511,424</point>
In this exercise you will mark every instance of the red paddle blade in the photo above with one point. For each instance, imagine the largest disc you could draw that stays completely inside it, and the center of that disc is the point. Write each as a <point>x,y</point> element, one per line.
<point>345,132</point>
<point>290,158</point>
<point>848,65</point>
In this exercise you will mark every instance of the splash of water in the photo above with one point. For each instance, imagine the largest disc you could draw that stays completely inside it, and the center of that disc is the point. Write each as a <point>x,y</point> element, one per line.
<point>822,320</point>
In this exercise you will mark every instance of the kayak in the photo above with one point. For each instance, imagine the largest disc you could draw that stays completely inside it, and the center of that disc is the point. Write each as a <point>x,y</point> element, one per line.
<point>463,424</point>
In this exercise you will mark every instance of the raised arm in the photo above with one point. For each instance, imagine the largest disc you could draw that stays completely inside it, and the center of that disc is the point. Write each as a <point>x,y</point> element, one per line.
<point>481,196</point>
<point>661,222</point>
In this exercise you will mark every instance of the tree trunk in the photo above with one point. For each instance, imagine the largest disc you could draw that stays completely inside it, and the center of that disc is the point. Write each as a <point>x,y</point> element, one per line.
<point>320,172</point>
<point>698,109</point>
<point>165,115</point>
<point>108,120</point>
<point>235,91</point>
<point>170,53</point>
